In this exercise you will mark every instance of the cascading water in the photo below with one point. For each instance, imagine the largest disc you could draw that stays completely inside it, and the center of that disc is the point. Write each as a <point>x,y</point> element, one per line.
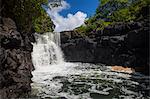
<point>46,50</point>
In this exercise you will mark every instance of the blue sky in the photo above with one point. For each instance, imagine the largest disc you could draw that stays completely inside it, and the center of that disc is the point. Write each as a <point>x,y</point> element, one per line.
<point>71,14</point>
<point>86,6</point>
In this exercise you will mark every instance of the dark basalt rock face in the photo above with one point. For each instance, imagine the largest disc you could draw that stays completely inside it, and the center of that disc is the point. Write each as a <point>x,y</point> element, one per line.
<point>15,60</point>
<point>125,44</point>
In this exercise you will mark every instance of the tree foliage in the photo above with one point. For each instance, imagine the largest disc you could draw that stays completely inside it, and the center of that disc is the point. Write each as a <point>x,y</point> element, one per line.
<point>43,24</point>
<point>129,13</point>
<point>112,11</point>
<point>27,14</point>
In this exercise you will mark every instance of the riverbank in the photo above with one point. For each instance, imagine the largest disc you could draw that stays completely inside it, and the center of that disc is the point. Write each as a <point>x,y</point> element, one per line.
<point>123,44</point>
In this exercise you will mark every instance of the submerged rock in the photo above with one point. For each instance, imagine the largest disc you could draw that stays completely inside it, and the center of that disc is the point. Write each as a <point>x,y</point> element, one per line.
<point>15,61</point>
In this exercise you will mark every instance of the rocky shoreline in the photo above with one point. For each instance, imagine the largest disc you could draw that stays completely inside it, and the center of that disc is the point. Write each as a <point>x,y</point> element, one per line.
<point>123,44</point>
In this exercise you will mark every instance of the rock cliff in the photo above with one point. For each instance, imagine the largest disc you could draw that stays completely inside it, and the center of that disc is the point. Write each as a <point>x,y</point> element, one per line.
<point>15,60</point>
<point>125,44</point>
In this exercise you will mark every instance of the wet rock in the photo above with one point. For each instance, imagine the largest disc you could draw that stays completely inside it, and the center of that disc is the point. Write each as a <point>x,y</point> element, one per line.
<point>81,50</point>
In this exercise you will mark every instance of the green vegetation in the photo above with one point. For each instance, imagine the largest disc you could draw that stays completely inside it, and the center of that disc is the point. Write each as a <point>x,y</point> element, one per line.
<point>129,13</point>
<point>103,2</point>
<point>43,24</point>
<point>92,26</point>
<point>28,14</point>
<point>112,11</point>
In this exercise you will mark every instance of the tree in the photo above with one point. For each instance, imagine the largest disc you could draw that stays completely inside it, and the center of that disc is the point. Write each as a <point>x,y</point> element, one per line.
<point>112,11</point>
<point>27,14</point>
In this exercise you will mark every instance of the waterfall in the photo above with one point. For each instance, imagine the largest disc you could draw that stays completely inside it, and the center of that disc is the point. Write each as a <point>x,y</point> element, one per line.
<point>46,50</point>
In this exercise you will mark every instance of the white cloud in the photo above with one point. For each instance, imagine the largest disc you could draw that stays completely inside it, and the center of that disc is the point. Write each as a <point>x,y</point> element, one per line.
<point>66,23</point>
